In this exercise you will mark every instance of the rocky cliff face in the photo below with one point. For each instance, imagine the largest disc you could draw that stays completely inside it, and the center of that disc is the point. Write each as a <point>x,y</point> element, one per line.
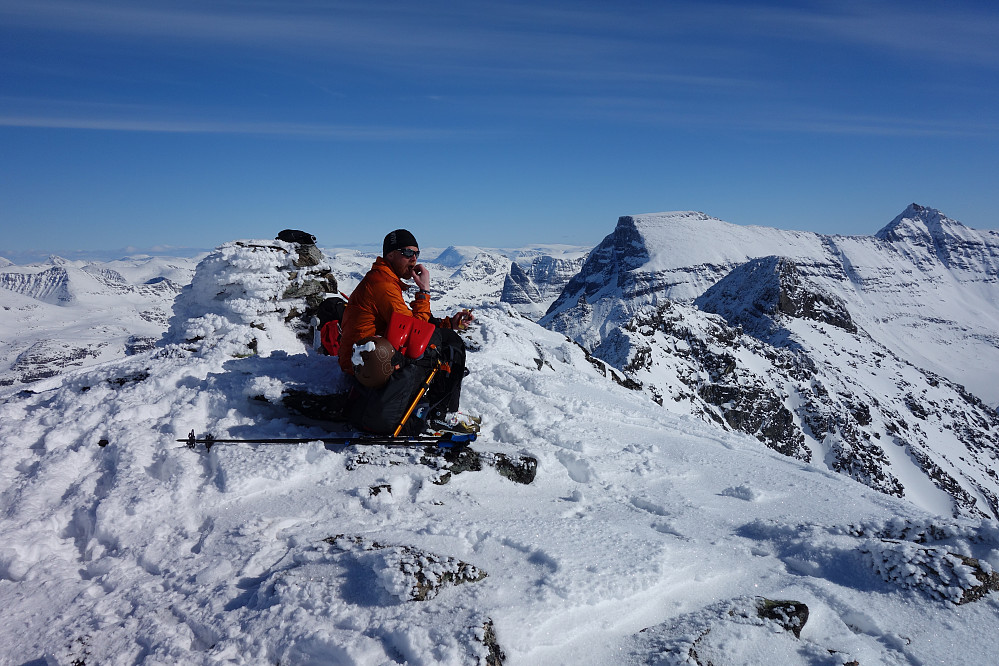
<point>798,350</point>
<point>534,283</point>
<point>762,293</point>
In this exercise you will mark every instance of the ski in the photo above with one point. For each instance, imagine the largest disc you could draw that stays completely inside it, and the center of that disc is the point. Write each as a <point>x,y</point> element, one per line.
<point>445,440</point>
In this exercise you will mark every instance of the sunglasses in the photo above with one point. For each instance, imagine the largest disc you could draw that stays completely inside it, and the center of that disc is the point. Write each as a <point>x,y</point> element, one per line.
<point>409,254</point>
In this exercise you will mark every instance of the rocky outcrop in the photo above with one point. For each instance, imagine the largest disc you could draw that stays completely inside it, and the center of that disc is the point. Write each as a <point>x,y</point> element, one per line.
<point>937,572</point>
<point>448,463</point>
<point>48,358</point>
<point>708,634</point>
<point>272,287</point>
<point>405,572</point>
<point>519,289</point>
<point>759,293</point>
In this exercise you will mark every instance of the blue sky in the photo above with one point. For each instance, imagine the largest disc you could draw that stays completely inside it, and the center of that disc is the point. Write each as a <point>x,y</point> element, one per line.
<point>190,123</point>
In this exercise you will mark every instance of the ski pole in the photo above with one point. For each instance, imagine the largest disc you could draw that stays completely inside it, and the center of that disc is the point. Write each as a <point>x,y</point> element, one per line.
<point>423,389</point>
<point>446,441</point>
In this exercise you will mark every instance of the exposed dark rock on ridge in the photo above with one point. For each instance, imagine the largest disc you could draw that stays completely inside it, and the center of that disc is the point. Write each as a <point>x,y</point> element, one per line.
<point>759,293</point>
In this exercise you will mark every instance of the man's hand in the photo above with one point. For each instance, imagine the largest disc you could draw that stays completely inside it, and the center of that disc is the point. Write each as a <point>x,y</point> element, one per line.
<point>421,276</point>
<point>461,320</point>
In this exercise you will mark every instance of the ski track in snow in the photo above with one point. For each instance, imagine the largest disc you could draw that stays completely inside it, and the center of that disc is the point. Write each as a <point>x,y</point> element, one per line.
<point>144,551</point>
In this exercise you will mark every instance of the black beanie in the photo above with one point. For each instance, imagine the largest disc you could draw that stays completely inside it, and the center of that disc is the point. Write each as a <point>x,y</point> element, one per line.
<point>398,239</point>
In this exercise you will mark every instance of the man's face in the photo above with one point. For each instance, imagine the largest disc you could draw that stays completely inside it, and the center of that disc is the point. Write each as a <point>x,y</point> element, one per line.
<point>401,265</point>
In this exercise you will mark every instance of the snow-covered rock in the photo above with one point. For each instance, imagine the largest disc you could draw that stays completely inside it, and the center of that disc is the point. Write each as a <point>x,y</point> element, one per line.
<point>248,297</point>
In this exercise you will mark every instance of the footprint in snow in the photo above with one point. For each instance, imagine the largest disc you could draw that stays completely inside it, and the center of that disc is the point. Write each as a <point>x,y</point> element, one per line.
<point>579,470</point>
<point>743,492</point>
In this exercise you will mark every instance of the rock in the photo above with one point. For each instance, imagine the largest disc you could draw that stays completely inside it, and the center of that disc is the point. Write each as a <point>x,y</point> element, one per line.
<point>789,615</point>
<point>708,636</point>
<point>519,468</point>
<point>935,571</point>
<point>495,655</point>
<point>406,572</point>
<point>308,255</point>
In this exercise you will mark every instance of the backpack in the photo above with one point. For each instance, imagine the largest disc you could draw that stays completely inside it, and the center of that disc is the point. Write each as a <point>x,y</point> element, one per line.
<point>330,314</point>
<point>296,236</point>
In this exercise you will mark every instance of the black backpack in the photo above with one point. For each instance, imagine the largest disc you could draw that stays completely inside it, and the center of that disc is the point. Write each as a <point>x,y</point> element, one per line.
<point>296,236</point>
<point>330,314</point>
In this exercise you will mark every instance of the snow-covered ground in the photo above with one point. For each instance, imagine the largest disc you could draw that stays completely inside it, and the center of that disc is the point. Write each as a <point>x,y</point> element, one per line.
<point>646,536</point>
<point>68,314</point>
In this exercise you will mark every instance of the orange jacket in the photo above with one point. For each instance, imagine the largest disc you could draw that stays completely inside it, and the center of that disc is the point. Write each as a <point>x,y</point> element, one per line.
<point>370,308</point>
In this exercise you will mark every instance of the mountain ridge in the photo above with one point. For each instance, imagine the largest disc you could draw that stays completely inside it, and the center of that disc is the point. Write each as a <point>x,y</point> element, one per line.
<point>899,291</point>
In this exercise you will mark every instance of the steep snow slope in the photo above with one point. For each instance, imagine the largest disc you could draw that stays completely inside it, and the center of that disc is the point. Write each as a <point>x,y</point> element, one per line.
<point>926,286</point>
<point>142,550</point>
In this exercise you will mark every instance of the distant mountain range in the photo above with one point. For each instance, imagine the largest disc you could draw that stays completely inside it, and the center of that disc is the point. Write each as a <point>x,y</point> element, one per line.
<point>869,355</point>
<point>63,314</point>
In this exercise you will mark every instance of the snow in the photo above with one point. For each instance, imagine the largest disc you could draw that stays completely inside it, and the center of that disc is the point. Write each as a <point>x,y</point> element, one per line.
<point>677,239</point>
<point>646,537</point>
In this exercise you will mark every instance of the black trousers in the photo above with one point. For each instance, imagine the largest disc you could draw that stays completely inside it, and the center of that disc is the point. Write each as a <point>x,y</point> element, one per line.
<point>381,410</point>
<point>445,391</point>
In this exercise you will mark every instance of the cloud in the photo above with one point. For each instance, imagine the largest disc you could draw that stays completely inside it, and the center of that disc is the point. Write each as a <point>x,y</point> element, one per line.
<point>284,129</point>
<point>945,32</point>
<point>512,32</point>
<point>572,41</point>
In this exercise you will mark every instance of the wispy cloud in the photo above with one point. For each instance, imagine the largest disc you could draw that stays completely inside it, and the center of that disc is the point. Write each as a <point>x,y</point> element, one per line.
<point>569,59</point>
<point>929,31</point>
<point>562,41</point>
<point>511,32</point>
<point>282,129</point>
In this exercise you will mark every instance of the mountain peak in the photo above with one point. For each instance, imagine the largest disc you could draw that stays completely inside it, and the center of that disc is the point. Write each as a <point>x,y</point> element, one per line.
<point>456,255</point>
<point>920,221</point>
<point>759,293</point>
<point>927,237</point>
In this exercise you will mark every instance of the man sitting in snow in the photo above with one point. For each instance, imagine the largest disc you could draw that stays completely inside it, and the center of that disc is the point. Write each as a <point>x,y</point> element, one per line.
<point>368,313</point>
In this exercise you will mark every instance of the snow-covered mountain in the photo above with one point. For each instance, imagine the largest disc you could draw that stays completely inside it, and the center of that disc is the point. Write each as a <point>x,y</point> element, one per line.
<point>645,536</point>
<point>925,286</point>
<point>67,314</point>
<point>536,281</point>
<point>528,278</point>
<point>796,355</point>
